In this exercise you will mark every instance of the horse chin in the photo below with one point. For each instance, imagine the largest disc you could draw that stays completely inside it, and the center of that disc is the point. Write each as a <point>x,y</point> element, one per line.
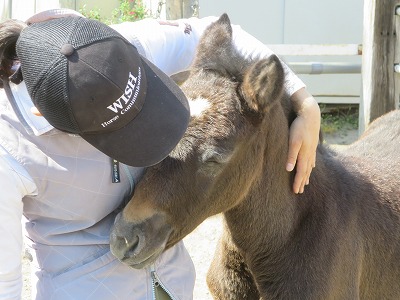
<point>134,263</point>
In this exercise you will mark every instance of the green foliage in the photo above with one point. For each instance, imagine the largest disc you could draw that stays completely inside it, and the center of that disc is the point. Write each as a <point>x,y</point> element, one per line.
<point>128,11</point>
<point>91,14</point>
<point>336,118</point>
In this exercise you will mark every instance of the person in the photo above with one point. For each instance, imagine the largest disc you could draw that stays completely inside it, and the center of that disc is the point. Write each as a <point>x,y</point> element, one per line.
<point>109,111</point>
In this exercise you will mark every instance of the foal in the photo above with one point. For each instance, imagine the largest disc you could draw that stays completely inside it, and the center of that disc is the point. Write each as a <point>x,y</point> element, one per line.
<point>338,240</point>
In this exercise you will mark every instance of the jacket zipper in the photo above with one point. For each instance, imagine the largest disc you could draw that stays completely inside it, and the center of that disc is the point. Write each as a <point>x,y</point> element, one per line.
<point>157,283</point>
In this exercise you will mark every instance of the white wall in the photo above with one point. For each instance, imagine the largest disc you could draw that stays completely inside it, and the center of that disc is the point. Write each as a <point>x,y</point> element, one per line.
<point>293,21</point>
<point>23,9</point>
<point>271,21</point>
<point>303,22</point>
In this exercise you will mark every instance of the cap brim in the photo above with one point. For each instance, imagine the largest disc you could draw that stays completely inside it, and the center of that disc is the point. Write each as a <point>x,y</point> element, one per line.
<point>155,131</point>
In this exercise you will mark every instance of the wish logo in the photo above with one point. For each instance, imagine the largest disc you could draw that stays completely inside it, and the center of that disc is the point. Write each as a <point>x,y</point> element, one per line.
<point>119,106</point>
<point>124,103</point>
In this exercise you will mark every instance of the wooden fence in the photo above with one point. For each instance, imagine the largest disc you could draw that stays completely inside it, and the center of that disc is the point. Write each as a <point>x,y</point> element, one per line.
<point>381,58</point>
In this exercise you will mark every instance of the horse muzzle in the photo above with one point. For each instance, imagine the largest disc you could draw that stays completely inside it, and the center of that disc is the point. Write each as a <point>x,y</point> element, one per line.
<point>139,244</point>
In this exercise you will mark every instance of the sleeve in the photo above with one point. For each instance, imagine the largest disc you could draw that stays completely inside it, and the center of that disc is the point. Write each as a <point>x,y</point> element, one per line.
<point>171,45</point>
<point>16,183</point>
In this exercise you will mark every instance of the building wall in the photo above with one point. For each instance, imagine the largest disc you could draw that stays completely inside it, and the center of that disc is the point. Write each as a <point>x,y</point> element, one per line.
<point>23,9</point>
<point>271,21</point>
<point>303,22</point>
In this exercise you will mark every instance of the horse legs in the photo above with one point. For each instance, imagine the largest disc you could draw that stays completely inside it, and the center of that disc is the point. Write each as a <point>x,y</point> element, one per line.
<point>229,277</point>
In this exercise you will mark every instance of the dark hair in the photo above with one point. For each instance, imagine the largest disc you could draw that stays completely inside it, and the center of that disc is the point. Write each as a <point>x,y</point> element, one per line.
<point>9,34</point>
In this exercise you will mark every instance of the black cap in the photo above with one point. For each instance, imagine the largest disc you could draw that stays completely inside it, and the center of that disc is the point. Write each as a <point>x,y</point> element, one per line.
<point>86,79</point>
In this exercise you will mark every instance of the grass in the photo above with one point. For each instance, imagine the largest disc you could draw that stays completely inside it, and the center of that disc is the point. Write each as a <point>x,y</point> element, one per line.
<point>338,117</point>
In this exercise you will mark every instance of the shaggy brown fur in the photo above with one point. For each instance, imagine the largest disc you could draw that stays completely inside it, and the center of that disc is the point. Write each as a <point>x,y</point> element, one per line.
<point>339,240</point>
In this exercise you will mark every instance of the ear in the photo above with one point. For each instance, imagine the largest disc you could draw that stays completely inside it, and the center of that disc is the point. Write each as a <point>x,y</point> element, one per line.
<point>263,84</point>
<point>226,23</point>
<point>215,44</point>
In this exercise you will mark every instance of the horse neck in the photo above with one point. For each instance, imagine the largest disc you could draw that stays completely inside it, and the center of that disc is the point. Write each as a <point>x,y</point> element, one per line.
<point>269,205</point>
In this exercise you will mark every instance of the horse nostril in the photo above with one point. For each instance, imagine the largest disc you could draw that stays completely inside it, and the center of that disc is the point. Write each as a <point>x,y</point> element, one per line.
<point>121,247</point>
<point>122,241</point>
<point>132,246</point>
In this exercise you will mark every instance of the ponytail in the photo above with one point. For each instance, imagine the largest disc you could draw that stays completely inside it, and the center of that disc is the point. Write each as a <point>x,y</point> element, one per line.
<point>9,64</point>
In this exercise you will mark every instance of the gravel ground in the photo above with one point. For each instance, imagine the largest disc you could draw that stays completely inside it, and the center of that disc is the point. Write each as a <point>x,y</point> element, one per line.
<point>202,241</point>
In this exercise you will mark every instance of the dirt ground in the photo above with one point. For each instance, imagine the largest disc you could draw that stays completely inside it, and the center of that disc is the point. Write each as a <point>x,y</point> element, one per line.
<point>202,241</point>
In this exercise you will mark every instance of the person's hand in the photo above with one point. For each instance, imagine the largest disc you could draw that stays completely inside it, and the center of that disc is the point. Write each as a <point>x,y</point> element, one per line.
<point>303,138</point>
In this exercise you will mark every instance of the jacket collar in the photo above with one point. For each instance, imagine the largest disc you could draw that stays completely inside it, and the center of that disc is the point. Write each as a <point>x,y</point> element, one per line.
<point>22,105</point>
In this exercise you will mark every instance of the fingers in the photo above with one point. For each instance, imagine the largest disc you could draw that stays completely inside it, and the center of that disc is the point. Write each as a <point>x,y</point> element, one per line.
<point>294,148</point>
<point>301,176</point>
<point>303,141</point>
<point>304,160</point>
<point>304,168</point>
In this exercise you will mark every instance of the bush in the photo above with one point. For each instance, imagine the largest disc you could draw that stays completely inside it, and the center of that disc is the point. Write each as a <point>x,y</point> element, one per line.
<point>128,10</point>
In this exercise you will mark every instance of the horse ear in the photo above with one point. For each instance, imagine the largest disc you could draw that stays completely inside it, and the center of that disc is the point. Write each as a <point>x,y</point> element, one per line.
<point>226,22</point>
<point>263,84</point>
<point>215,45</point>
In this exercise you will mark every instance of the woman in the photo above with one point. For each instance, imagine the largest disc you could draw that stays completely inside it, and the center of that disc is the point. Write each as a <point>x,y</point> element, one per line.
<point>108,113</point>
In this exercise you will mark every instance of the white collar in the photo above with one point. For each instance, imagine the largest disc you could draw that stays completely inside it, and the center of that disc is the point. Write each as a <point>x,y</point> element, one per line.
<point>38,125</point>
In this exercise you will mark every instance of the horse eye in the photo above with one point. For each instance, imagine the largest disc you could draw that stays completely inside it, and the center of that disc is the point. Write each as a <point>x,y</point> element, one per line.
<point>212,161</point>
<point>212,157</point>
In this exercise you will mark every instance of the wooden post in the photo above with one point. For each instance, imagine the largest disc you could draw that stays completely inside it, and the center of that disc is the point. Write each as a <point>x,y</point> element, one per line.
<point>381,84</point>
<point>178,9</point>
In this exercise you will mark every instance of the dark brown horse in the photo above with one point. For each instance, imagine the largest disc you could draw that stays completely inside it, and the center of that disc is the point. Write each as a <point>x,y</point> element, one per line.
<point>338,240</point>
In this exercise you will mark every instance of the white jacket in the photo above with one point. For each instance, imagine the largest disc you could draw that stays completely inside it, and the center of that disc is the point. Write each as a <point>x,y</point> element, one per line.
<point>62,185</point>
